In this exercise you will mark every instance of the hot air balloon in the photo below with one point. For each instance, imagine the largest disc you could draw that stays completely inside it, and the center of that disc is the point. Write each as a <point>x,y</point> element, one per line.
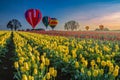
<point>33,16</point>
<point>53,22</point>
<point>46,21</point>
<point>101,27</point>
<point>87,28</point>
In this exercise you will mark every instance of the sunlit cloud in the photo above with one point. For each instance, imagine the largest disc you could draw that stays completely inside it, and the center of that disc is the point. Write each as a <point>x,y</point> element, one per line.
<point>108,15</point>
<point>111,20</point>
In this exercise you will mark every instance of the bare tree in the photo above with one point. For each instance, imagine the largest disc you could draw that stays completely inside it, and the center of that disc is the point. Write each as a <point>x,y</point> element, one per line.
<point>71,25</point>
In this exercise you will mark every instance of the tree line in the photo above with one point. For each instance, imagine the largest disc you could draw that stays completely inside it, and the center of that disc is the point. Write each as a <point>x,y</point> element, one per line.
<point>72,25</point>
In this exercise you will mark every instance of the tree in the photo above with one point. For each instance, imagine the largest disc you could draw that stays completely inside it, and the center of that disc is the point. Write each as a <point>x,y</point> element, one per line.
<point>104,29</point>
<point>14,24</point>
<point>101,27</point>
<point>87,28</point>
<point>97,29</point>
<point>72,25</point>
<point>66,27</point>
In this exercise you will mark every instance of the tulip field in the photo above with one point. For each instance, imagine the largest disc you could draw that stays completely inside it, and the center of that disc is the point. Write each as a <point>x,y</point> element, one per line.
<point>33,56</point>
<point>101,35</point>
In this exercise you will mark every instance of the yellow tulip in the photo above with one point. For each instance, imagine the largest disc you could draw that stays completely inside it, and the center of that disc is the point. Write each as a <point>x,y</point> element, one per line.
<point>55,73</point>
<point>35,66</point>
<point>43,78</point>
<point>43,59</point>
<point>74,55</point>
<point>20,61</point>
<point>98,60</point>
<point>65,59</point>
<point>44,54</point>
<point>95,73</point>
<point>82,59</point>
<point>108,63</point>
<point>41,66</point>
<point>89,73</point>
<point>38,58</point>
<point>111,68</point>
<point>117,67</point>
<point>85,63</point>
<point>76,64</point>
<point>80,56</point>
<point>47,61</point>
<point>115,72</point>
<point>51,71</point>
<point>22,69</point>
<point>48,76</point>
<point>35,71</point>
<point>16,65</point>
<point>30,78</point>
<point>103,63</point>
<point>92,62</point>
<point>82,70</point>
<point>116,47</point>
<point>101,71</point>
<point>26,67</point>
<point>24,77</point>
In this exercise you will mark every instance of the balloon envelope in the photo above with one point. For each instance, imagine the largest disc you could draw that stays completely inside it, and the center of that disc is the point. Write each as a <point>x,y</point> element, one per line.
<point>53,22</point>
<point>46,21</point>
<point>33,16</point>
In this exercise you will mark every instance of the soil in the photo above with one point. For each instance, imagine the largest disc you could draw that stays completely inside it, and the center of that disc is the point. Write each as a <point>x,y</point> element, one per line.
<point>6,67</point>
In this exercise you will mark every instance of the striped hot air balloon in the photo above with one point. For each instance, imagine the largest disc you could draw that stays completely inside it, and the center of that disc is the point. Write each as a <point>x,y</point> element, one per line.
<point>33,17</point>
<point>53,22</point>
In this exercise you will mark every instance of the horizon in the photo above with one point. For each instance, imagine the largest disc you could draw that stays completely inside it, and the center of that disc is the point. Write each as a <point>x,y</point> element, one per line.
<point>87,13</point>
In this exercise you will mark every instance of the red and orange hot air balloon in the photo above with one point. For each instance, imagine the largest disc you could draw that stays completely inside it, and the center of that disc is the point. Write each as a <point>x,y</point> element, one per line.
<point>33,17</point>
<point>53,22</point>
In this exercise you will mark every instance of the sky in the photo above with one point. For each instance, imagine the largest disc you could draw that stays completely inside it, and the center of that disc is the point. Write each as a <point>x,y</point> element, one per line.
<point>86,12</point>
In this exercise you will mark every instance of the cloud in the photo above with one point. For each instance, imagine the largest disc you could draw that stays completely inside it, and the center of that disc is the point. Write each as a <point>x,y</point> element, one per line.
<point>115,16</point>
<point>93,15</point>
<point>108,15</point>
<point>111,20</point>
<point>111,17</point>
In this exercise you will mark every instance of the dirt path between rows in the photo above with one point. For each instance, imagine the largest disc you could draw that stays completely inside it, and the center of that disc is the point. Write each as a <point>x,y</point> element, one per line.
<point>6,69</point>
